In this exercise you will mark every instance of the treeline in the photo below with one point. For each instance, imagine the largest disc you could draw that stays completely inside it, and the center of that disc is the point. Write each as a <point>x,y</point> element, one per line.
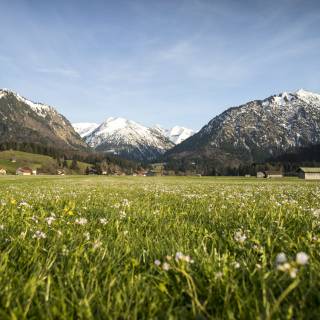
<point>212,168</point>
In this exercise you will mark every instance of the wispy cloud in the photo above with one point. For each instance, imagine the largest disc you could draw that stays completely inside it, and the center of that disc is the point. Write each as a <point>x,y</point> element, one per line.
<point>65,72</point>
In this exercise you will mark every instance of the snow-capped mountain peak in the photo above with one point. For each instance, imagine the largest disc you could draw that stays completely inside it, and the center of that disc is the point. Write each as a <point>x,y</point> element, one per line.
<point>40,108</point>
<point>128,139</point>
<point>308,96</point>
<point>176,134</point>
<point>84,128</point>
<point>112,125</point>
<point>118,135</point>
<point>257,130</point>
<point>33,122</point>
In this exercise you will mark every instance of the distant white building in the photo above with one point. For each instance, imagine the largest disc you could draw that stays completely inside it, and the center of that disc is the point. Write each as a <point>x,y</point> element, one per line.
<point>260,174</point>
<point>24,171</point>
<point>273,174</point>
<point>308,173</point>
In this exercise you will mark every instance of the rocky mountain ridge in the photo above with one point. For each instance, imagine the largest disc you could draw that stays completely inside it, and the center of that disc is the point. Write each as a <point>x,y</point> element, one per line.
<point>24,121</point>
<point>256,130</point>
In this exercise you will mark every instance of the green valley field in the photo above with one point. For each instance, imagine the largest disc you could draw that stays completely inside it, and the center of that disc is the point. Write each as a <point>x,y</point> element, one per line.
<point>94,247</point>
<point>35,161</point>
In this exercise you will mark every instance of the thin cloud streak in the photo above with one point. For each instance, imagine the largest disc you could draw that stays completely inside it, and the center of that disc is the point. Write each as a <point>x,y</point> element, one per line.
<point>60,72</point>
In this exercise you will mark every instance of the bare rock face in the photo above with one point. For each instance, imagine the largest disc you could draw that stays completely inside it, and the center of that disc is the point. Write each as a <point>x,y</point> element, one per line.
<point>256,131</point>
<point>24,121</point>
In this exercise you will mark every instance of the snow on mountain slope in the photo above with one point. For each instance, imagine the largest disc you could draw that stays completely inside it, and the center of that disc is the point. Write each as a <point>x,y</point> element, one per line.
<point>40,108</point>
<point>176,134</point>
<point>26,121</point>
<point>84,128</point>
<point>257,130</point>
<point>128,139</point>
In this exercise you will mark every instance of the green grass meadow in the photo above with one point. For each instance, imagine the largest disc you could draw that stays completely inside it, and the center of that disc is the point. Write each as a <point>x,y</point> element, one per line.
<point>85,247</point>
<point>34,161</point>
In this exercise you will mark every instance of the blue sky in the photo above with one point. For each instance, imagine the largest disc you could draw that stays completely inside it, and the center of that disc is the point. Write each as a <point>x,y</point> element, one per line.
<point>166,61</point>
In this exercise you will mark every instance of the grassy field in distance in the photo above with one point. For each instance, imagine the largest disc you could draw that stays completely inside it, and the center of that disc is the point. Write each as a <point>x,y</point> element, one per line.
<point>26,159</point>
<point>94,247</point>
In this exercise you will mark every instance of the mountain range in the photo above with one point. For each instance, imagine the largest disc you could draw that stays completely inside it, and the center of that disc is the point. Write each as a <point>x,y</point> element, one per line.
<point>130,139</point>
<point>255,131</point>
<point>252,132</point>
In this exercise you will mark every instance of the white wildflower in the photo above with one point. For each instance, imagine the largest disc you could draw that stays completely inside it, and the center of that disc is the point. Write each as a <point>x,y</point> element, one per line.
<point>157,262</point>
<point>34,219</point>
<point>65,251</point>
<point>240,236</point>
<point>39,235</point>
<point>23,234</point>
<point>49,220</point>
<point>316,213</point>
<point>24,204</point>
<point>81,221</point>
<point>293,272</point>
<point>281,258</point>
<point>103,221</point>
<point>165,266</point>
<point>178,256</point>
<point>125,202</point>
<point>302,258</point>
<point>181,257</point>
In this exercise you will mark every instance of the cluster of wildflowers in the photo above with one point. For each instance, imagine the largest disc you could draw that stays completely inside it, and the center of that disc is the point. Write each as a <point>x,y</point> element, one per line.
<point>24,204</point>
<point>39,235</point>
<point>240,236</point>
<point>50,220</point>
<point>81,221</point>
<point>65,250</point>
<point>179,257</point>
<point>122,214</point>
<point>126,203</point>
<point>34,219</point>
<point>292,267</point>
<point>103,221</point>
<point>165,265</point>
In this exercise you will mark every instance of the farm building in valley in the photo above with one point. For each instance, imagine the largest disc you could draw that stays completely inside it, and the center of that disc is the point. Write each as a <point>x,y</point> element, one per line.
<point>273,174</point>
<point>309,173</point>
<point>3,172</point>
<point>24,171</point>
